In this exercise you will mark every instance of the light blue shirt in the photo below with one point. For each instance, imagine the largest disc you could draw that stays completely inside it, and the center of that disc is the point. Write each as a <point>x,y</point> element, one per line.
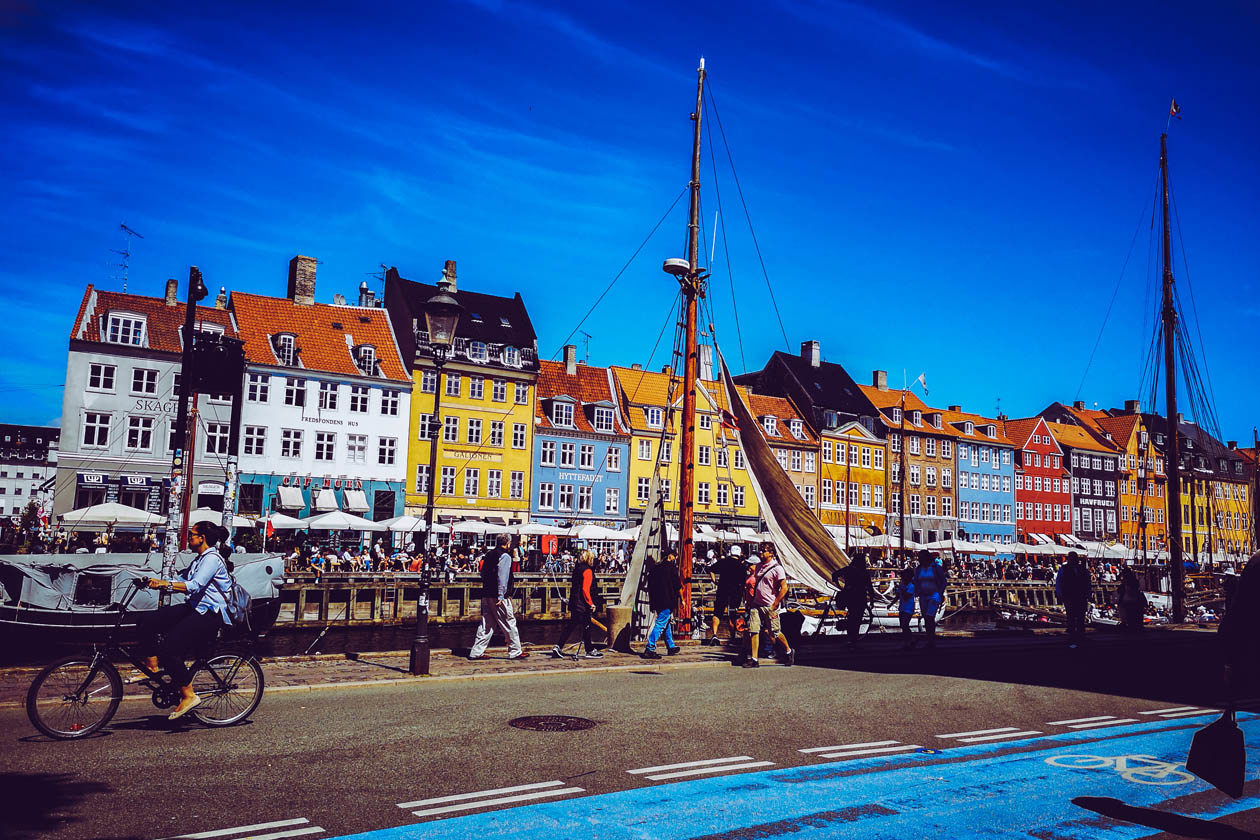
<point>208,582</point>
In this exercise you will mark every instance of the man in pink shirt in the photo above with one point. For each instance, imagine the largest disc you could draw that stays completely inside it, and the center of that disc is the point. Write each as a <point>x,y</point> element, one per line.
<point>766,588</point>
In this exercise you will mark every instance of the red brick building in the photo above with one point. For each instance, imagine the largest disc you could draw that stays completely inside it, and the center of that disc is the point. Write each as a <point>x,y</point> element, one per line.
<point>1043,487</point>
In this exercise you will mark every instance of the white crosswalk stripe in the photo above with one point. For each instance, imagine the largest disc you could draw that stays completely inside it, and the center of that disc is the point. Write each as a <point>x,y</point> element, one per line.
<point>1092,722</point>
<point>875,751</point>
<point>487,798</point>
<point>978,732</point>
<point>1173,709</point>
<point>288,828</point>
<point>1002,737</point>
<point>849,746</point>
<point>979,736</point>
<point>699,768</point>
<point>1194,713</point>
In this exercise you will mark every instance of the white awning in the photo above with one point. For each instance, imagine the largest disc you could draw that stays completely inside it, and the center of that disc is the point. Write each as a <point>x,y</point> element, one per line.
<point>291,498</point>
<point>325,500</point>
<point>355,501</point>
<point>1072,541</point>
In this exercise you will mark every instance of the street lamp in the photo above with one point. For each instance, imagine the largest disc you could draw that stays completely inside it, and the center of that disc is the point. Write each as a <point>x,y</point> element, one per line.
<point>441,317</point>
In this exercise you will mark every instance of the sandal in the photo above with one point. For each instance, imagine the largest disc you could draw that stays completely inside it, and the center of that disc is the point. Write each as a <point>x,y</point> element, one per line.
<point>184,708</point>
<point>136,677</point>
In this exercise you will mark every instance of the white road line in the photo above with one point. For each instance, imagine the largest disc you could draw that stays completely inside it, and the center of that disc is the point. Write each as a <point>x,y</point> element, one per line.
<point>978,732</point>
<point>1111,722</point>
<point>1080,720</point>
<point>482,803</point>
<point>1174,709</point>
<point>848,753</point>
<point>704,763</point>
<point>224,832</point>
<point>701,770</point>
<point>1195,713</point>
<point>277,835</point>
<point>456,797</point>
<point>999,737</point>
<point>849,746</point>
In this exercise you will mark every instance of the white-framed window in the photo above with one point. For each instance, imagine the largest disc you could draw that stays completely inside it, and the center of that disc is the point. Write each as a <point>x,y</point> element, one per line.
<point>516,486</point>
<point>474,430</point>
<point>586,495</point>
<point>586,457</point>
<point>723,494</point>
<point>781,456</point>
<point>704,455</point>
<point>518,435</point>
<point>496,434</point>
<point>797,428</point>
<point>914,475</point>
<point>915,504</point>
<point>428,382</point>
<point>101,376</point>
<point>771,425</point>
<point>294,391</point>
<point>144,381</point>
<point>498,390</point>
<point>389,403</point>
<point>825,486</point>
<point>947,448</point>
<point>325,446</point>
<point>667,489</point>
<point>826,452</point>
<point>255,441</point>
<point>878,499</point>
<point>450,429</point>
<point>258,387</point>
<point>511,356</point>
<point>866,457</point>
<point>453,382</point>
<point>476,387</point>
<point>522,393</point>
<point>478,351</point>
<point>877,458</point>
<point>896,415</point>
<point>722,458</point>
<point>702,493</point>
<point>562,414</point>
<point>854,497</point>
<point>140,434</point>
<point>604,419</point>
<point>645,450</point>
<point>290,443</point>
<point>547,456</point>
<point>796,460</point>
<point>216,438</point>
<point>914,444</point>
<point>446,483</point>
<point>929,447</point>
<point>737,460</point>
<point>654,416</point>
<point>356,449</point>
<point>422,478</point>
<point>612,500</point>
<point>667,451</point>
<point>930,476</point>
<point>705,421</point>
<point>358,399</point>
<point>472,483</point>
<point>285,345</point>
<point>125,329</point>
<point>565,501</point>
<point>424,427</point>
<point>568,453</point>
<point>365,360</point>
<point>737,495</point>
<point>494,484</point>
<point>810,495</point>
<point>644,487</point>
<point>613,462</point>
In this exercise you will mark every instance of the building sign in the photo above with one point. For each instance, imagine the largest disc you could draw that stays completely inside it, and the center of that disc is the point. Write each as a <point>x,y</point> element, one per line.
<point>321,483</point>
<point>92,479</point>
<point>210,488</point>
<point>573,476</point>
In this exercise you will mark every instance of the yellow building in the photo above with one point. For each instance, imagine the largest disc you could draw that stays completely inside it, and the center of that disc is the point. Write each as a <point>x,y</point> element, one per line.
<point>485,436</point>
<point>852,477</point>
<point>1214,485</point>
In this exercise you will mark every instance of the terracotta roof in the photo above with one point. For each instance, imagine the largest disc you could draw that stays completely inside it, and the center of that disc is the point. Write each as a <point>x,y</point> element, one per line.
<point>1068,434</point>
<point>886,401</point>
<point>588,385</point>
<point>1120,428</point>
<point>957,419</point>
<point>321,329</point>
<point>162,323</point>
<point>784,412</point>
<point>1018,432</point>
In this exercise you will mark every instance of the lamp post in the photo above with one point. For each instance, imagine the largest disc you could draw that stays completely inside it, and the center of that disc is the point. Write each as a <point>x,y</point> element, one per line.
<point>441,317</point>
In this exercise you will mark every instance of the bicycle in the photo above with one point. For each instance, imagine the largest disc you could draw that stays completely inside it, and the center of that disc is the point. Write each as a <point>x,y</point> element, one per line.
<point>1143,769</point>
<point>77,695</point>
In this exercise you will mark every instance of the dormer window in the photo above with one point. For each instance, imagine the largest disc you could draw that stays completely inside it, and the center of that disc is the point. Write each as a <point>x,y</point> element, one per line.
<point>562,414</point>
<point>125,329</point>
<point>511,356</point>
<point>916,418</point>
<point>478,352</point>
<point>504,322</point>
<point>210,329</point>
<point>655,416</point>
<point>286,348</point>
<point>771,425</point>
<point>896,415</point>
<point>990,431</point>
<point>936,420</point>
<point>603,419</point>
<point>797,428</point>
<point>365,360</point>
<point>969,428</point>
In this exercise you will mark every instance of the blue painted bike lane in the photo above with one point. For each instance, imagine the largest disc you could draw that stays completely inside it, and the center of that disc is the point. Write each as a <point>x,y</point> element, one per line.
<point>963,792</point>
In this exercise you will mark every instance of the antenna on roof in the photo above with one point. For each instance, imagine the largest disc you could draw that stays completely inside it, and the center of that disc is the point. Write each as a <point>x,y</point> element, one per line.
<point>125,253</point>
<point>586,346</point>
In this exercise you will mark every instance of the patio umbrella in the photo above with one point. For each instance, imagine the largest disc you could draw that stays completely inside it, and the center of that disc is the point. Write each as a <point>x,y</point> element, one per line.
<point>592,532</point>
<point>216,516</point>
<point>339,520</point>
<point>404,524</point>
<point>282,522</point>
<point>538,529</point>
<point>628,534</point>
<point>110,513</point>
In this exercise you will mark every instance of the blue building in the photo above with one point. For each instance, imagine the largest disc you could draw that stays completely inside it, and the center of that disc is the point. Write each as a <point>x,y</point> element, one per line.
<point>985,481</point>
<point>581,447</point>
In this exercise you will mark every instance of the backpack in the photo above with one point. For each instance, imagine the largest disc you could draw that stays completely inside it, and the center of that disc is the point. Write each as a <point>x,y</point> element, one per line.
<point>239,603</point>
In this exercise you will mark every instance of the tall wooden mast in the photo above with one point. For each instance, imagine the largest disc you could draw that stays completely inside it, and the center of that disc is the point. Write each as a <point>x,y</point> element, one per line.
<point>1172,454</point>
<point>691,277</point>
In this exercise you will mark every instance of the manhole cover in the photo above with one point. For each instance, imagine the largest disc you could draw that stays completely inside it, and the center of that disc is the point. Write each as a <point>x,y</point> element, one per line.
<point>551,723</point>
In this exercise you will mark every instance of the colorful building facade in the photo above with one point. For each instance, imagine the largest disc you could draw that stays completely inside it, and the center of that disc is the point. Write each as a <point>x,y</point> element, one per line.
<point>985,480</point>
<point>852,479</point>
<point>1043,496</point>
<point>1094,465</point>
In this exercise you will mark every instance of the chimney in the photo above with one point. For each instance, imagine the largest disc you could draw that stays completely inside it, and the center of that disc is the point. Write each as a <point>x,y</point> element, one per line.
<point>448,271</point>
<point>956,408</point>
<point>1002,417</point>
<point>880,380</point>
<point>636,366</point>
<point>339,300</point>
<point>220,302</point>
<point>706,362</point>
<point>1132,407</point>
<point>666,369</point>
<point>302,280</point>
<point>366,296</point>
<point>172,292</point>
<point>1232,444</point>
<point>570,359</point>
<point>811,351</point>
<point>1079,405</point>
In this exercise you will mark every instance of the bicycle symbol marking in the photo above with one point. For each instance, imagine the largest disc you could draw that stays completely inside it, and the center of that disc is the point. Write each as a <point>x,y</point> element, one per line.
<point>1142,769</point>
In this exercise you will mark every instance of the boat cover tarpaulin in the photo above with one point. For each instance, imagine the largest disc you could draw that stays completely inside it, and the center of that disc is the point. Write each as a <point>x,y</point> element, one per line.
<point>51,581</point>
<point>807,551</point>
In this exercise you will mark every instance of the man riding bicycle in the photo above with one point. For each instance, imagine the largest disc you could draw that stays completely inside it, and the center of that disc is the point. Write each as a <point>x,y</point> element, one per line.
<point>172,634</point>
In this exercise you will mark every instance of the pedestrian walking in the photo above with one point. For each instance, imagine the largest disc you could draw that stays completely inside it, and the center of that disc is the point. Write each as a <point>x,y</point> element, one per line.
<point>496,603</point>
<point>730,594</point>
<point>929,587</point>
<point>905,606</point>
<point>1130,602</point>
<point>664,587</point>
<point>1072,584</point>
<point>764,590</point>
<point>857,594</point>
<point>581,607</point>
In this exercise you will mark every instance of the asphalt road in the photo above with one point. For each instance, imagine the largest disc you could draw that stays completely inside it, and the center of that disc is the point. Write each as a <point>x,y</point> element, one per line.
<point>340,761</point>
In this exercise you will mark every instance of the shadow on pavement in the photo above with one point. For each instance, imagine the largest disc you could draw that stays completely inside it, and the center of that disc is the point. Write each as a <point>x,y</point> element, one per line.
<point>37,804</point>
<point>1174,824</point>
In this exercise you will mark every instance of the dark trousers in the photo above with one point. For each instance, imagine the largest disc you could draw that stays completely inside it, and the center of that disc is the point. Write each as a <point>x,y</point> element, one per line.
<point>1075,618</point>
<point>579,622</point>
<point>175,633</point>
<point>853,620</point>
<point>905,619</point>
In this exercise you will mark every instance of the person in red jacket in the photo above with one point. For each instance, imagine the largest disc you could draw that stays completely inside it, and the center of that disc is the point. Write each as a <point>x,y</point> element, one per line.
<point>581,606</point>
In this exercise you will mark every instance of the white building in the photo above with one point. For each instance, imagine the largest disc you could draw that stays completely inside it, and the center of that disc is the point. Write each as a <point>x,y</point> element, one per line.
<point>28,463</point>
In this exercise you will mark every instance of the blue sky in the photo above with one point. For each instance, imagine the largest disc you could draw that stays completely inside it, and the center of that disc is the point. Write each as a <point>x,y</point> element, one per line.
<point>950,192</point>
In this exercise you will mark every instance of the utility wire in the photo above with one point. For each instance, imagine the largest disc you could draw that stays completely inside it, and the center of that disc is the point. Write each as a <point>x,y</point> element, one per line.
<point>726,250</point>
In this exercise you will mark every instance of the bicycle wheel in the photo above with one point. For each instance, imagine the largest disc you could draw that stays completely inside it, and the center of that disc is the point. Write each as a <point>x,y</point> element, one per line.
<point>73,697</point>
<point>230,688</point>
<point>1083,762</point>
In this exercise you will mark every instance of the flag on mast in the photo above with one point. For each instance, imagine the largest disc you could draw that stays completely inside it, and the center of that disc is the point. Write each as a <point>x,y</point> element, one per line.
<point>1175,110</point>
<point>922,380</point>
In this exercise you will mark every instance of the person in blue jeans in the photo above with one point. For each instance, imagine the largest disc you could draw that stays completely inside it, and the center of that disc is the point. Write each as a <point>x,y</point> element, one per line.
<point>664,586</point>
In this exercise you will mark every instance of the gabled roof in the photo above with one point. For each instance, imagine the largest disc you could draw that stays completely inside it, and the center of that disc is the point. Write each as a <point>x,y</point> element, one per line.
<point>887,400</point>
<point>959,419</point>
<point>1122,429</point>
<point>162,323</point>
<point>1077,437</point>
<point>784,413</point>
<point>1020,431</point>
<point>851,427</point>
<point>325,334</point>
<point>828,385</point>
<point>588,385</point>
